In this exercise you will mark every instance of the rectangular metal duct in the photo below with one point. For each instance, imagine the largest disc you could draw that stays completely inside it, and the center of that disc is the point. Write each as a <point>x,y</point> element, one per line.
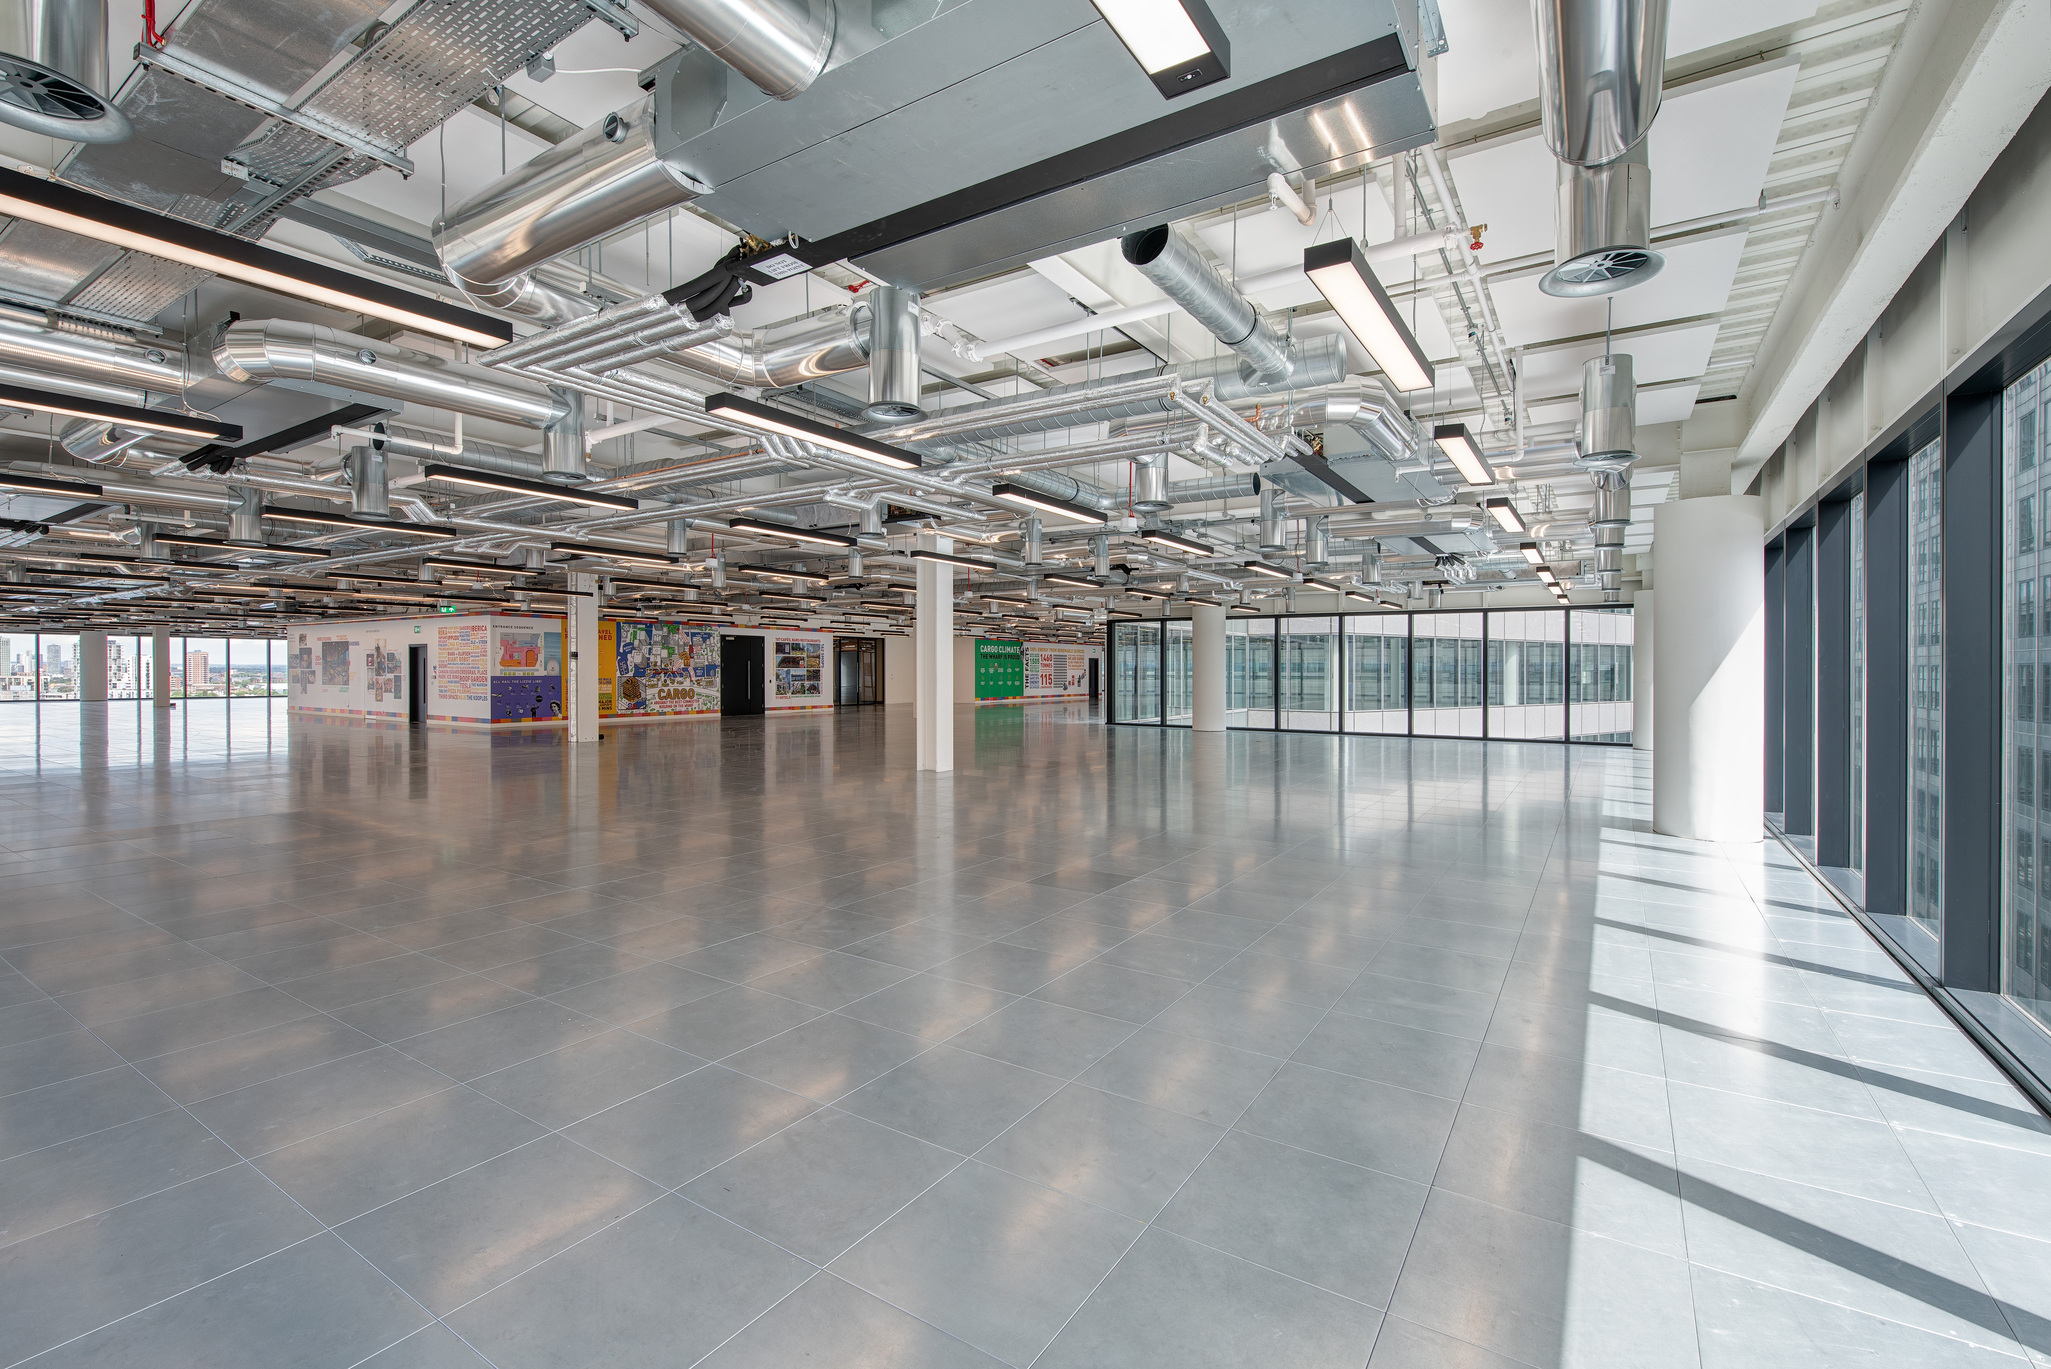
<point>996,132</point>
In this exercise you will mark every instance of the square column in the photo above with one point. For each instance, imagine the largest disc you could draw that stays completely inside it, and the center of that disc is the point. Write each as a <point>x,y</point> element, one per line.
<point>92,667</point>
<point>1708,709</point>
<point>1207,626</point>
<point>580,659</point>
<point>160,667</point>
<point>933,642</point>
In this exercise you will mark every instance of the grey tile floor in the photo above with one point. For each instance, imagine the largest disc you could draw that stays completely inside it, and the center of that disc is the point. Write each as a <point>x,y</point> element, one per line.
<point>745,1045</point>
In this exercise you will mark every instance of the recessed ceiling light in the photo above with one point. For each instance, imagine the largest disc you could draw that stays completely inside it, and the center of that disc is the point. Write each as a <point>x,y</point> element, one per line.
<point>1178,43</point>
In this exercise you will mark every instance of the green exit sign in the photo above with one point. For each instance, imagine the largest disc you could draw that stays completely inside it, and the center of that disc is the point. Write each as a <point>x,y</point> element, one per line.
<point>447,608</point>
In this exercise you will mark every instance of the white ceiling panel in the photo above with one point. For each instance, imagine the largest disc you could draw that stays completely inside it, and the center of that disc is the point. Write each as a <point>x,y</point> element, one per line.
<point>1666,403</point>
<point>1677,354</point>
<point>1709,151</point>
<point>1020,303</point>
<point>1695,281</point>
<point>1493,60</point>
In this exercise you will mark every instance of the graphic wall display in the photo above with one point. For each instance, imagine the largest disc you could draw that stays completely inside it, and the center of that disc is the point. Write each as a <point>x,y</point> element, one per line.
<point>462,674</point>
<point>1057,670</point>
<point>383,668</point>
<point>799,667</point>
<point>526,674</point>
<point>663,668</point>
<point>334,664</point>
<point>1000,670</point>
<point>302,664</point>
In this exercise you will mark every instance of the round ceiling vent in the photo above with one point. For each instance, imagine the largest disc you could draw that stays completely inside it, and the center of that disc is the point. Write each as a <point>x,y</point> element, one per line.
<point>45,101</point>
<point>1601,271</point>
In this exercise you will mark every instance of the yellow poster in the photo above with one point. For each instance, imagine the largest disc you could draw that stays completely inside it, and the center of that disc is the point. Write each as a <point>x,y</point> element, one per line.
<point>608,667</point>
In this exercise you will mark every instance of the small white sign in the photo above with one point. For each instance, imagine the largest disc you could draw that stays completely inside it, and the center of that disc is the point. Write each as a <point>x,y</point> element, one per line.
<point>782,266</point>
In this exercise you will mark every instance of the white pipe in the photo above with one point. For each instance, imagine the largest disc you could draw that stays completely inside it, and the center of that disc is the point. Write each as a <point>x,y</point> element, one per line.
<point>1284,195</point>
<point>612,430</point>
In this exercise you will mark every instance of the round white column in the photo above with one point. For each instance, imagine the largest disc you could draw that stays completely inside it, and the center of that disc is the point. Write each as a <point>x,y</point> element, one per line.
<point>1207,626</point>
<point>1643,631</point>
<point>1708,698</point>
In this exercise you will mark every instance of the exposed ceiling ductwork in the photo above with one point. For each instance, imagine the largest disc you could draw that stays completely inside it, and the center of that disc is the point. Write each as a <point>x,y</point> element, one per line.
<point>1601,73</point>
<point>1179,270</point>
<point>780,46</point>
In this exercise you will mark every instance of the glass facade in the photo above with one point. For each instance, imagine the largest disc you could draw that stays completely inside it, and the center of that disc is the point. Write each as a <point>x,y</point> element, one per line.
<point>1599,687</point>
<point>1926,687</point>
<point>1309,675</point>
<point>1855,681</point>
<point>1473,673</point>
<point>47,667</point>
<point>2026,934</point>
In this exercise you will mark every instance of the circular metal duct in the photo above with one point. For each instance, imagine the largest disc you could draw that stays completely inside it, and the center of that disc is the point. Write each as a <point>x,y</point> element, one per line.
<point>53,70</point>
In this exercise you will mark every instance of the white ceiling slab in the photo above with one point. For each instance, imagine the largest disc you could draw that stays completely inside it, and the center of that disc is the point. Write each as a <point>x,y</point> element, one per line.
<point>1492,63</point>
<point>612,62</point>
<point>1696,280</point>
<point>1675,354</point>
<point>1020,303</point>
<point>1709,151</point>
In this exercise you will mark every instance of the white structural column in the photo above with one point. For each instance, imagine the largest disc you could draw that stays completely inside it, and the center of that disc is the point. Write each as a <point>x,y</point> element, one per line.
<point>580,669</point>
<point>933,640</point>
<point>1708,697</point>
<point>1207,625</point>
<point>1644,629</point>
<point>160,667</point>
<point>92,667</point>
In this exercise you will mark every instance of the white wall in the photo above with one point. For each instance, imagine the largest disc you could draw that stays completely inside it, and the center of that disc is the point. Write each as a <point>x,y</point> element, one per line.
<point>900,671</point>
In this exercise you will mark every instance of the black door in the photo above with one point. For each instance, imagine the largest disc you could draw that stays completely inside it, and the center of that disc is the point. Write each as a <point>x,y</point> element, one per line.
<point>742,688</point>
<point>1093,679</point>
<point>416,684</point>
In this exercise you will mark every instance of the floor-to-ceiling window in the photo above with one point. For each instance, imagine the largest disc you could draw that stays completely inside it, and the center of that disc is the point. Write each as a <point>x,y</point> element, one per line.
<point>1180,666</point>
<point>1599,661</point>
<point>1527,672</point>
<point>1855,682</point>
<point>1378,673</point>
<point>57,677</point>
<point>2026,937</point>
<point>1136,672</point>
<point>1926,677</point>
<point>1249,672</point>
<point>1309,674</point>
<point>1446,674</point>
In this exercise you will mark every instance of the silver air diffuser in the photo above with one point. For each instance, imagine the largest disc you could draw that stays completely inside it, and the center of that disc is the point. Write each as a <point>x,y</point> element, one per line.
<point>1605,228</point>
<point>53,70</point>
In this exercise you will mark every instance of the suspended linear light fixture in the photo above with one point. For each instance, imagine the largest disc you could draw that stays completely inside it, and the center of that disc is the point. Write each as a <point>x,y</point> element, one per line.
<point>179,539</point>
<point>784,573</point>
<point>748,414</point>
<point>1162,537</point>
<point>1046,503</point>
<point>513,484</point>
<point>36,484</point>
<point>55,205</point>
<point>473,567</point>
<point>124,415</point>
<point>1072,581</point>
<point>1178,43</point>
<point>1464,452</point>
<point>1532,553</point>
<point>1272,572</point>
<point>824,539</point>
<point>1349,285</point>
<point>1505,514</point>
<point>606,553</point>
<point>343,520</point>
<point>921,554</point>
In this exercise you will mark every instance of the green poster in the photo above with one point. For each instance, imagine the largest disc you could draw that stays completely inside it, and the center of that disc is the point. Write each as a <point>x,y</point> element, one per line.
<point>1000,670</point>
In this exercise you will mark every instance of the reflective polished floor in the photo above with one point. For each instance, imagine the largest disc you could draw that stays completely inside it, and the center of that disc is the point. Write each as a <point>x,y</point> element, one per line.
<point>743,1044</point>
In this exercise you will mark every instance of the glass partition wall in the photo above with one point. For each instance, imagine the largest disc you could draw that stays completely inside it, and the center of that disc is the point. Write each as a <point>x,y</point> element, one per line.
<point>1479,673</point>
<point>2026,938</point>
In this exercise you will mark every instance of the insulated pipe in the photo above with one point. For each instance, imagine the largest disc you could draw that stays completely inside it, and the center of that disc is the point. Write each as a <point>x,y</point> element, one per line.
<point>781,46</point>
<point>251,351</point>
<point>825,343</point>
<point>1180,272</point>
<point>562,442</point>
<point>1600,69</point>
<point>608,176</point>
<point>97,442</point>
<point>245,520</point>
<point>894,380</point>
<point>369,486</point>
<point>54,352</point>
<point>1272,537</point>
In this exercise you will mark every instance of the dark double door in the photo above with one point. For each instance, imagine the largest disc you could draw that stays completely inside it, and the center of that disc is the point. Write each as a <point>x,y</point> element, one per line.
<point>743,683</point>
